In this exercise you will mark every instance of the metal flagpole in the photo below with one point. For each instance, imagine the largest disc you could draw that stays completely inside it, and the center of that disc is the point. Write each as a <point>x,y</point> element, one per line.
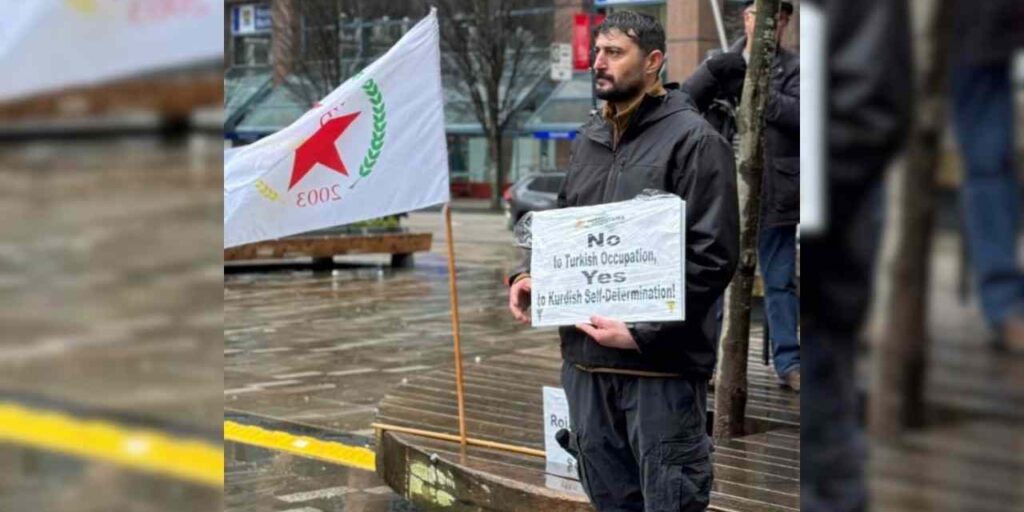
<point>590,59</point>
<point>718,23</point>
<point>455,322</point>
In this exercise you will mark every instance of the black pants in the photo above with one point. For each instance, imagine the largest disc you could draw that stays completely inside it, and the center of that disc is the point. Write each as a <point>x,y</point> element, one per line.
<point>642,441</point>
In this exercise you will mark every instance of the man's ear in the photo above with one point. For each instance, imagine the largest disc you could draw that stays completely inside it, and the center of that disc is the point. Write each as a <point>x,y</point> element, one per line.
<point>653,61</point>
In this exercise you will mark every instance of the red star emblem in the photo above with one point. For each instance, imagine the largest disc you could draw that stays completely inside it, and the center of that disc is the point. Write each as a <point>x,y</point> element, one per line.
<point>319,148</point>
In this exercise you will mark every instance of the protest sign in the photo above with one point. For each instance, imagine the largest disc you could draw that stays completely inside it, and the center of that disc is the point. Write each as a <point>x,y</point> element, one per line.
<point>620,260</point>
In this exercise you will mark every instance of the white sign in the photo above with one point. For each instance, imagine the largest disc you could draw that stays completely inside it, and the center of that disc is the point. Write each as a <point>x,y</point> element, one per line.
<point>251,19</point>
<point>245,19</point>
<point>560,470</point>
<point>46,45</point>
<point>556,417</point>
<point>561,62</point>
<point>623,261</point>
<point>373,147</point>
<point>565,484</point>
<point>813,144</point>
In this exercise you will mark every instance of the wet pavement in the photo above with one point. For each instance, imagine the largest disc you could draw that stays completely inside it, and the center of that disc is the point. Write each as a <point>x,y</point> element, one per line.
<point>968,455</point>
<point>265,480</point>
<point>110,302</point>
<point>40,480</point>
<point>320,349</point>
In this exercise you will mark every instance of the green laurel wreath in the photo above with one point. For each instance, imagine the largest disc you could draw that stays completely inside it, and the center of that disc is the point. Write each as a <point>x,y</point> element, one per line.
<point>379,127</point>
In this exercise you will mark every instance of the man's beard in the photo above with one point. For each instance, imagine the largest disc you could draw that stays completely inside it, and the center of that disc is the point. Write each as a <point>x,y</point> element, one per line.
<point>620,90</point>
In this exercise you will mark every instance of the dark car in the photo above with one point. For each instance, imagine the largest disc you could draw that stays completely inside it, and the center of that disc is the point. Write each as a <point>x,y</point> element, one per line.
<point>534,193</point>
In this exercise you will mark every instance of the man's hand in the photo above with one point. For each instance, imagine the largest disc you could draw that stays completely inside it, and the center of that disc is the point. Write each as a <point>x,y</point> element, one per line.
<point>608,332</point>
<point>519,299</point>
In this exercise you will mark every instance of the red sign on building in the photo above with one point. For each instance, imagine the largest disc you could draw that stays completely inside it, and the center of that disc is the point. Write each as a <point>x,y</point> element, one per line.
<point>581,40</point>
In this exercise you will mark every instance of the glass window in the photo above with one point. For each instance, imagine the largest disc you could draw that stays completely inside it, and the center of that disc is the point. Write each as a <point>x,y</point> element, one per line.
<point>548,184</point>
<point>252,51</point>
<point>457,154</point>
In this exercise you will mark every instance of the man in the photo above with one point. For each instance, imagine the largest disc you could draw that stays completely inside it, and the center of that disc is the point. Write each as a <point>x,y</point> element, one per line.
<point>869,109</point>
<point>982,95</point>
<point>721,77</point>
<point>637,393</point>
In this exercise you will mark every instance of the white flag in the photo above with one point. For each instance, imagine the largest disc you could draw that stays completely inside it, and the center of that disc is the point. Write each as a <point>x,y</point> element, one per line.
<point>373,147</point>
<point>50,44</point>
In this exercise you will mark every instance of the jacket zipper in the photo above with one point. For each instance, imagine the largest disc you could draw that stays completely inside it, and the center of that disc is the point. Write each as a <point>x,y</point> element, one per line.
<point>613,176</point>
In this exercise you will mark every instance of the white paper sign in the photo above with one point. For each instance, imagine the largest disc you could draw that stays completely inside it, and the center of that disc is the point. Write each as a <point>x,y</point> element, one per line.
<point>561,467</point>
<point>619,260</point>
<point>813,109</point>
<point>556,417</point>
<point>561,62</point>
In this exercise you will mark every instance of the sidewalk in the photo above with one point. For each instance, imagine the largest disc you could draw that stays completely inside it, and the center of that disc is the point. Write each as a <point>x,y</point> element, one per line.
<point>467,204</point>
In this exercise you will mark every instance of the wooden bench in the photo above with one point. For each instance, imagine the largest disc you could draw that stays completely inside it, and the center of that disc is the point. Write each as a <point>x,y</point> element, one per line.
<point>756,473</point>
<point>323,248</point>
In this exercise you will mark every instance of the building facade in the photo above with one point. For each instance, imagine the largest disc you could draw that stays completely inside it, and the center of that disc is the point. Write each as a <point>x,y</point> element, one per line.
<point>261,83</point>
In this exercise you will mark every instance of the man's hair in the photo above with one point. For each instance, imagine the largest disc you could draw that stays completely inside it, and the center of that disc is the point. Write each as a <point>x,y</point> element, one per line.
<point>784,7</point>
<point>644,30</point>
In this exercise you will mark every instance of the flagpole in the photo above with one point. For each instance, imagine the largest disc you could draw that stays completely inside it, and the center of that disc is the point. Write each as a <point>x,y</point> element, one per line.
<point>455,322</point>
<point>717,12</point>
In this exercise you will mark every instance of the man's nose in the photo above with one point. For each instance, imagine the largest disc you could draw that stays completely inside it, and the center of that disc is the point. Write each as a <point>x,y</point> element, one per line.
<point>600,62</point>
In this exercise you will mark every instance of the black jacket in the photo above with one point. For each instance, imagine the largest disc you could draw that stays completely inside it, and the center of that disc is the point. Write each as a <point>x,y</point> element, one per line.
<point>780,189</point>
<point>987,31</point>
<point>870,77</point>
<point>666,146</point>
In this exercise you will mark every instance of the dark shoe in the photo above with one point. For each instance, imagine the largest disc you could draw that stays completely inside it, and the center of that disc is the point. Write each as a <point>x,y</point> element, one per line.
<point>791,380</point>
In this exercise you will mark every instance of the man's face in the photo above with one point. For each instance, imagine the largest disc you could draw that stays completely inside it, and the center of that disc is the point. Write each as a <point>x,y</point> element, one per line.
<point>750,15</point>
<point>618,67</point>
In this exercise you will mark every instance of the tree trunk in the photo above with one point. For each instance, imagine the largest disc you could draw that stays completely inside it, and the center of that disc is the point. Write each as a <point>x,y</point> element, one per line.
<point>900,355</point>
<point>731,384</point>
<point>498,171</point>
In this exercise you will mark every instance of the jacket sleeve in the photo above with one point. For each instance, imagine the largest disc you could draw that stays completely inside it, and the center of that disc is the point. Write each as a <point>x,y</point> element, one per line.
<point>783,109</point>
<point>706,180</point>
<point>702,87</point>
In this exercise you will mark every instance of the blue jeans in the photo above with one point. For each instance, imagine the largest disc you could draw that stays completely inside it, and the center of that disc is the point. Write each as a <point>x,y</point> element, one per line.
<point>777,257</point>
<point>983,118</point>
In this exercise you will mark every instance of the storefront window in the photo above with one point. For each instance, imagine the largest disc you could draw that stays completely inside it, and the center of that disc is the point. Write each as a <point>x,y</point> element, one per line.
<point>252,51</point>
<point>457,154</point>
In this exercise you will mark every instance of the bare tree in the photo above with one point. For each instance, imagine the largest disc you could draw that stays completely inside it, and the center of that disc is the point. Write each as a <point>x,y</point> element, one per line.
<point>496,51</point>
<point>493,53</point>
<point>731,384</point>
<point>324,42</point>
<point>899,358</point>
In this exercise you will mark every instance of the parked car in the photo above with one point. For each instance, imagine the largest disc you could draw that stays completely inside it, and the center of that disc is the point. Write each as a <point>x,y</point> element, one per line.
<point>534,193</point>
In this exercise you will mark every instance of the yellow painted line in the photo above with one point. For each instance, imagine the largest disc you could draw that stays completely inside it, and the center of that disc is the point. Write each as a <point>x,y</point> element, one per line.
<point>329,451</point>
<point>145,450</point>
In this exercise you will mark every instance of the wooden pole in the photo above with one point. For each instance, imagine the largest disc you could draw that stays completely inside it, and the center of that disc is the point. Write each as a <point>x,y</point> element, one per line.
<point>454,293</point>
<point>522,450</point>
<point>900,355</point>
<point>731,380</point>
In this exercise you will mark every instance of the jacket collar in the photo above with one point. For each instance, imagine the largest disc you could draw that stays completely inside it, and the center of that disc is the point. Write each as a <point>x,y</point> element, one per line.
<point>619,120</point>
<point>650,110</point>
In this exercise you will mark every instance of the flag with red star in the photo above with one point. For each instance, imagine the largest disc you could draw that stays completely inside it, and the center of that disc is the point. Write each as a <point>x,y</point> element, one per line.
<point>373,147</point>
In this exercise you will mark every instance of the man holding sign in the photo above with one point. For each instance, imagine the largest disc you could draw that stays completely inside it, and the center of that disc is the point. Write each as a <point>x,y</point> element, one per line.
<point>637,392</point>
